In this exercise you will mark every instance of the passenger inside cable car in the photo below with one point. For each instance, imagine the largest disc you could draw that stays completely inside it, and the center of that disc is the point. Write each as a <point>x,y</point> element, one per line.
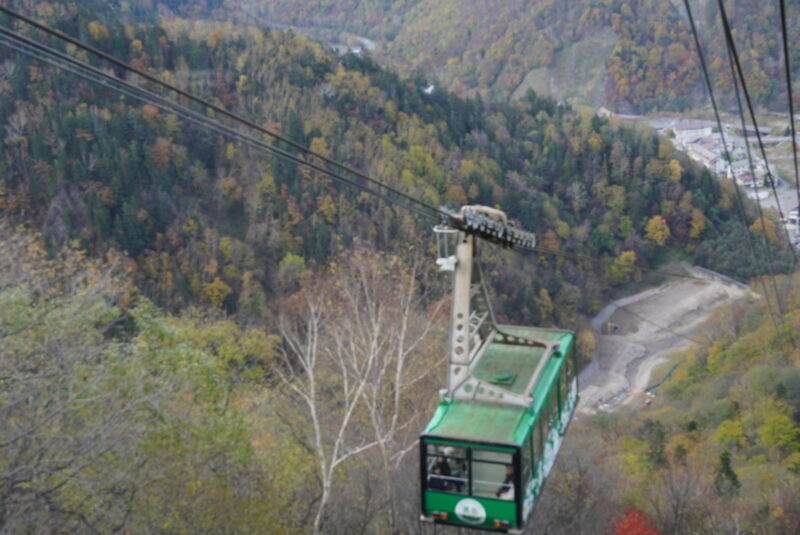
<point>506,491</point>
<point>436,481</point>
<point>492,472</point>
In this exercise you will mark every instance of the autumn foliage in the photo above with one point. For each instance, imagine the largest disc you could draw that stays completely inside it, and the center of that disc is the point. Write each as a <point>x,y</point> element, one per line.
<point>210,221</point>
<point>634,522</point>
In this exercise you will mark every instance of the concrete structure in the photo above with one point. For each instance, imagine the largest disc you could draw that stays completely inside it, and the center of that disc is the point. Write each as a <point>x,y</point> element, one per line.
<point>689,131</point>
<point>793,217</point>
<point>621,367</point>
<point>739,168</point>
<point>747,180</point>
<point>604,113</point>
<point>707,157</point>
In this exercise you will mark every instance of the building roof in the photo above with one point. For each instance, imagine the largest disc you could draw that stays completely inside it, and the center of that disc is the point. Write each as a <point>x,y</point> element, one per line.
<point>604,112</point>
<point>703,152</point>
<point>661,124</point>
<point>712,142</point>
<point>692,125</point>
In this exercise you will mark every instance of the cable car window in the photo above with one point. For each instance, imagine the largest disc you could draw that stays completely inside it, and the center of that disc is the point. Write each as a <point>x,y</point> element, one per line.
<point>570,364</point>
<point>545,414</point>
<point>527,456</point>
<point>564,385</point>
<point>544,428</point>
<point>490,455</point>
<point>492,474</point>
<point>447,469</point>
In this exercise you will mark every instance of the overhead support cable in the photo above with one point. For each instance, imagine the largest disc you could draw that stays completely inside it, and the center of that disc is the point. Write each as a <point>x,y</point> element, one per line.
<point>790,96</point>
<point>739,201</point>
<point>433,212</point>
<point>93,74</point>
<point>737,77</point>
<point>734,58</point>
<point>770,259</point>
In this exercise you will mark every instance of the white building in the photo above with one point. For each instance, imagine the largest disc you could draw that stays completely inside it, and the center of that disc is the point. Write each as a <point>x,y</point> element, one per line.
<point>688,131</point>
<point>707,157</point>
<point>747,180</point>
<point>738,168</point>
<point>793,217</point>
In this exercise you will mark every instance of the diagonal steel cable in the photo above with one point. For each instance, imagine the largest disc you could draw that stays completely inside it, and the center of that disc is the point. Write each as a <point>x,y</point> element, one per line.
<point>739,201</point>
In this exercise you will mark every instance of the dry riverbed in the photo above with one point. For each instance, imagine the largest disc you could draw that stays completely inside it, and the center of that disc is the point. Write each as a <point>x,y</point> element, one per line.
<point>637,333</point>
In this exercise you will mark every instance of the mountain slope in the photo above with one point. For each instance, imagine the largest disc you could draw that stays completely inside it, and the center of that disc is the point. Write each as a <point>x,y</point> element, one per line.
<point>496,50</point>
<point>122,415</point>
<point>207,219</point>
<point>717,450</point>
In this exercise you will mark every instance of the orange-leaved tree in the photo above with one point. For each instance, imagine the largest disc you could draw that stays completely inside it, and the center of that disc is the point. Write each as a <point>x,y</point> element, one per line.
<point>634,522</point>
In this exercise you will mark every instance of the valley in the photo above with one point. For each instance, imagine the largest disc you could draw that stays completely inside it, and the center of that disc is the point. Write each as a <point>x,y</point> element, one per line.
<point>647,332</point>
<point>220,310</point>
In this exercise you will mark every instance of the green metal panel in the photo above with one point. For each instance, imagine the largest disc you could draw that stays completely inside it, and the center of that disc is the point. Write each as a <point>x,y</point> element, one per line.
<point>494,421</point>
<point>490,510</point>
<point>501,360</point>
<point>552,370</point>
<point>479,421</point>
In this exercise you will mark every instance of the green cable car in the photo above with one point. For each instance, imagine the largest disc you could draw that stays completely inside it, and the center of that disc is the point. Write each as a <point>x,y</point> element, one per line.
<point>494,437</point>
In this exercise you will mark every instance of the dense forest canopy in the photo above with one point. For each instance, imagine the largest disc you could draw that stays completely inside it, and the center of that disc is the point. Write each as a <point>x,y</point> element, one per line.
<point>199,336</point>
<point>629,56</point>
<point>206,219</point>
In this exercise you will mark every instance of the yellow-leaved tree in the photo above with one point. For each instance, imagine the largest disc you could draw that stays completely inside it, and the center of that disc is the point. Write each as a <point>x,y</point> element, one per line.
<point>657,230</point>
<point>624,268</point>
<point>117,417</point>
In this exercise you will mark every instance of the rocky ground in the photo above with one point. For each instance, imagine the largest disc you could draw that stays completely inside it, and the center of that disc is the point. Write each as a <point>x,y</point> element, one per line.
<point>637,333</point>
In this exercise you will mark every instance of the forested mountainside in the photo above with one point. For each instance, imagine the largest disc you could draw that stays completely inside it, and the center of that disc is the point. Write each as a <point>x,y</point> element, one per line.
<point>204,219</point>
<point>117,416</point>
<point>717,450</point>
<point>629,56</point>
<point>196,337</point>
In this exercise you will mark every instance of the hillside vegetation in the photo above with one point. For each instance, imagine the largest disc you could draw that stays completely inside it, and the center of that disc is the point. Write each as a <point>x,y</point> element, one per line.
<point>716,452</point>
<point>206,220</point>
<point>489,48</point>
<point>119,417</point>
<point>199,337</point>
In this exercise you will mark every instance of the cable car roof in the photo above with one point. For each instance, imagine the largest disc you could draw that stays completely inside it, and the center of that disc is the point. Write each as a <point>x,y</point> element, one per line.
<point>479,421</point>
<point>512,366</point>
